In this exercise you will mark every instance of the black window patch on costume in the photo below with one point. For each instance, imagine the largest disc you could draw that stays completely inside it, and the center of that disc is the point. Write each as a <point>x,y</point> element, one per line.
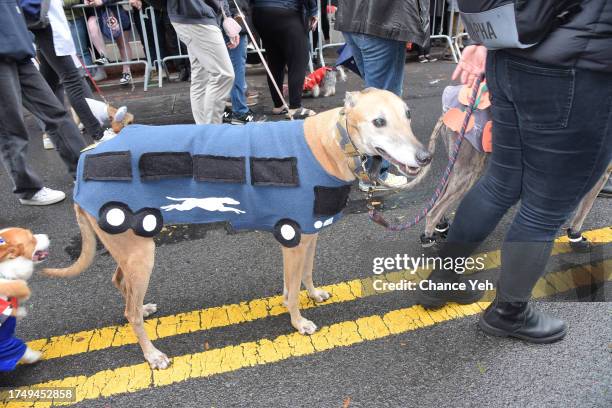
<point>165,165</point>
<point>274,172</point>
<point>110,166</point>
<point>219,169</point>
<point>330,200</point>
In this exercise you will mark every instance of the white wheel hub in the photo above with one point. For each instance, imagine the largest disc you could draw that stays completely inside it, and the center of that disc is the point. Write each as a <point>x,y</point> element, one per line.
<point>115,217</point>
<point>149,222</point>
<point>287,232</point>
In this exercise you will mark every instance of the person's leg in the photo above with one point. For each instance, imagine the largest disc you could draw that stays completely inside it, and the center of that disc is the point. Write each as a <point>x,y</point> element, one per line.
<point>266,23</point>
<point>567,147</point>
<point>125,50</point>
<point>296,55</point>
<point>356,51</point>
<point>38,99</point>
<point>13,134</point>
<point>238,94</point>
<point>383,62</point>
<point>78,30</point>
<point>71,79</point>
<point>95,35</point>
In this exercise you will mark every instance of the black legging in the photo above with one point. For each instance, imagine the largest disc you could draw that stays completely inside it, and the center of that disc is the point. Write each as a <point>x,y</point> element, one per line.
<point>285,39</point>
<point>68,74</point>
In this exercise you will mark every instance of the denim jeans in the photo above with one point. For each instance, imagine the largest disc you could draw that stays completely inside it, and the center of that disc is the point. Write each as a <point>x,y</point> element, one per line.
<point>381,63</point>
<point>552,140</point>
<point>22,86</point>
<point>78,30</point>
<point>238,94</point>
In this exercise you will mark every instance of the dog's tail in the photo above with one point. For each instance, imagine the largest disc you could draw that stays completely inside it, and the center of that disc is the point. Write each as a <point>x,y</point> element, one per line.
<point>88,248</point>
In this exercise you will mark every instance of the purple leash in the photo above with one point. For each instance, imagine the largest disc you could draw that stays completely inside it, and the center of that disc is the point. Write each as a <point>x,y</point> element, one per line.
<point>377,216</point>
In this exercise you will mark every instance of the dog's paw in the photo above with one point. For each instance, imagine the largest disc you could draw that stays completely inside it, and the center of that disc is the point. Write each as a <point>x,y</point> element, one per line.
<point>157,360</point>
<point>319,295</point>
<point>149,309</point>
<point>304,326</point>
<point>30,356</point>
<point>21,312</point>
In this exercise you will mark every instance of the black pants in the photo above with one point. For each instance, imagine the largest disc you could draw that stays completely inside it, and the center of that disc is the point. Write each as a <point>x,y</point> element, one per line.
<point>552,141</point>
<point>285,39</point>
<point>21,85</point>
<point>67,73</point>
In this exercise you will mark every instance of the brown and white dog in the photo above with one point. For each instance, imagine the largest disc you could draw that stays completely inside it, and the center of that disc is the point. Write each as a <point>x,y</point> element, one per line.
<point>118,118</point>
<point>378,123</point>
<point>20,251</point>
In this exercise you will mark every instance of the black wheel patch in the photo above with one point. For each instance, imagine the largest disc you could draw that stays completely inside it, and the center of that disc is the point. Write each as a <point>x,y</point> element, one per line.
<point>287,232</point>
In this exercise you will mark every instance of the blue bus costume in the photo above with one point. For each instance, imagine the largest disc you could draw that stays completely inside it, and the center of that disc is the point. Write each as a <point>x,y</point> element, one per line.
<point>259,176</point>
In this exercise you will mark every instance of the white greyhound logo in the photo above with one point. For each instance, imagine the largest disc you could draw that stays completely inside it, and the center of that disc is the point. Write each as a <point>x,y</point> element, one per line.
<point>208,204</point>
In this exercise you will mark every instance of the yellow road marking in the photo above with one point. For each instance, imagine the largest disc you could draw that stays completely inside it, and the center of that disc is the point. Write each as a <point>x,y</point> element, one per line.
<point>221,316</point>
<point>140,377</point>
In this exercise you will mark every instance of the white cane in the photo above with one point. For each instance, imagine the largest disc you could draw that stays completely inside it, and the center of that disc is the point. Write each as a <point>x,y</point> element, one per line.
<point>263,60</point>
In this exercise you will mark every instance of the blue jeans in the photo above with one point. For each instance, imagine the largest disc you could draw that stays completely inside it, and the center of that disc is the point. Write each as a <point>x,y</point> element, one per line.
<point>381,63</point>
<point>78,30</point>
<point>552,141</point>
<point>238,94</point>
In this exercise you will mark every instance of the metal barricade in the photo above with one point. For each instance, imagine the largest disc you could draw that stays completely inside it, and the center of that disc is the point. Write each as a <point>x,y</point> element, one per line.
<point>118,49</point>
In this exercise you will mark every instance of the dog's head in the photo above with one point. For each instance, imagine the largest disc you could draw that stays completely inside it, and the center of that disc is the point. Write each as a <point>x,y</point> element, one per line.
<point>378,122</point>
<point>20,250</point>
<point>119,118</point>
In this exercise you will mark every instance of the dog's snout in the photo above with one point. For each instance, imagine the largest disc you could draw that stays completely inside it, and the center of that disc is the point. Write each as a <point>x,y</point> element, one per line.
<point>423,157</point>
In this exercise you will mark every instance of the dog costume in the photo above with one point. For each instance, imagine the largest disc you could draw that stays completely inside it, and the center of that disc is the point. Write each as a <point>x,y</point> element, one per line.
<point>259,176</point>
<point>12,349</point>
<point>454,106</point>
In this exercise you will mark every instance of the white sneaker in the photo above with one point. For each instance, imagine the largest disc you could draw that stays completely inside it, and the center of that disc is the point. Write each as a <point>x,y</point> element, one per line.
<point>392,180</point>
<point>44,196</point>
<point>99,75</point>
<point>108,135</point>
<point>30,356</point>
<point>47,143</point>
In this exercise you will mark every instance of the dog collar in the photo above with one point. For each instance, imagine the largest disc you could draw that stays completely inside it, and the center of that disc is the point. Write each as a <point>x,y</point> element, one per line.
<point>358,159</point>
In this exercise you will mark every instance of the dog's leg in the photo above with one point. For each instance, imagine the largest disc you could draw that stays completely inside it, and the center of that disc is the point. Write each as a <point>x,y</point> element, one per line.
<point>135,256</point>
<point>147,309</point>
<point>316,294</point>
<point>294,261</point>
<point>587,203</point>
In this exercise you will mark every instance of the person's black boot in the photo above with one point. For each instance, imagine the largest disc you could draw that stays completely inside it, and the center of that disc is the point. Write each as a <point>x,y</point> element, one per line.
<point>522,321</point>
<point>430,297</point>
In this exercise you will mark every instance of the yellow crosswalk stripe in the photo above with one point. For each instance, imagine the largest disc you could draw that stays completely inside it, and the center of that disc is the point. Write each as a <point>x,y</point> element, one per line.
<point>221,316</point>
<point>140,377</point>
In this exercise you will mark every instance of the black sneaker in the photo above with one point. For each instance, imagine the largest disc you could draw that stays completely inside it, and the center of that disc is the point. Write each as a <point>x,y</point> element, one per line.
<point>103,60</point>
<point>247,117</point>
<point>227,115</point>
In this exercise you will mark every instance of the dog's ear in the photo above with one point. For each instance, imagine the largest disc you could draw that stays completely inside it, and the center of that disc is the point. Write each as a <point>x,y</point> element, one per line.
<point>8,251</point>
<point>350,99</point>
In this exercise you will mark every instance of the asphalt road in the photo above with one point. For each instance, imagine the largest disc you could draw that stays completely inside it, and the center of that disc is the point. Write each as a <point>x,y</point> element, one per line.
<point>440,360</point>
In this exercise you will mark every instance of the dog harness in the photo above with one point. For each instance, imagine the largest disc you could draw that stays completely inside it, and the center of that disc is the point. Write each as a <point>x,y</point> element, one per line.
<point>259,176</point>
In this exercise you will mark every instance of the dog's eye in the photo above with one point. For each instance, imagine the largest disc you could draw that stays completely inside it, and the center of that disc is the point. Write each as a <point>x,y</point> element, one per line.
<point>408,114</point>
<point>379,122</point>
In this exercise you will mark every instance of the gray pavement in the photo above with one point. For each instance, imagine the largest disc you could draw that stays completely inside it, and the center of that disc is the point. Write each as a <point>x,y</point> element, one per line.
<point>450,363</point>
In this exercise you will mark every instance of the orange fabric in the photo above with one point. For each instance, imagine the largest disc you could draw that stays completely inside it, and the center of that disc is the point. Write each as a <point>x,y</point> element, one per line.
<point>487,137</point>
<point>453,119</point>
<point>315,78</point>
<point>466,93</point>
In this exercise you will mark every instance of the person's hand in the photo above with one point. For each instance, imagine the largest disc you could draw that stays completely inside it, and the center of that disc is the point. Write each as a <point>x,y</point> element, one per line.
<point>471,65</point>
<point>136,4</point>
<point>234,41</point>
<point>312,24</point>
<point>96,3</point>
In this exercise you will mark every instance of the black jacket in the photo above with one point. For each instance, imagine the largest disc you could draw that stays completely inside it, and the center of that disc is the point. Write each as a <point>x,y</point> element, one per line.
<point>197,11</point>
<point>583,39</point>
<point>401,20</point>
<point>16,42</point>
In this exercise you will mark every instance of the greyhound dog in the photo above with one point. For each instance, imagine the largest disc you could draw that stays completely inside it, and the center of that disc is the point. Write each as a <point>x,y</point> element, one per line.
<point>376,122</point>
<point>469,167</point>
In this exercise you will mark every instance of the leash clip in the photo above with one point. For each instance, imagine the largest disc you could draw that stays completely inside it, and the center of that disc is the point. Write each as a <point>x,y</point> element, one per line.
<point>373,203</point>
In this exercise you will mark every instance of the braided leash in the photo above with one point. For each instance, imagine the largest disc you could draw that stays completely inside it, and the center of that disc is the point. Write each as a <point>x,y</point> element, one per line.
<point>378,218</point>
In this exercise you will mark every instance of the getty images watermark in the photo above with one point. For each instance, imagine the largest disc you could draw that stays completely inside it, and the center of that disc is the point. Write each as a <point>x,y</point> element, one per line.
<point>413,264</point>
